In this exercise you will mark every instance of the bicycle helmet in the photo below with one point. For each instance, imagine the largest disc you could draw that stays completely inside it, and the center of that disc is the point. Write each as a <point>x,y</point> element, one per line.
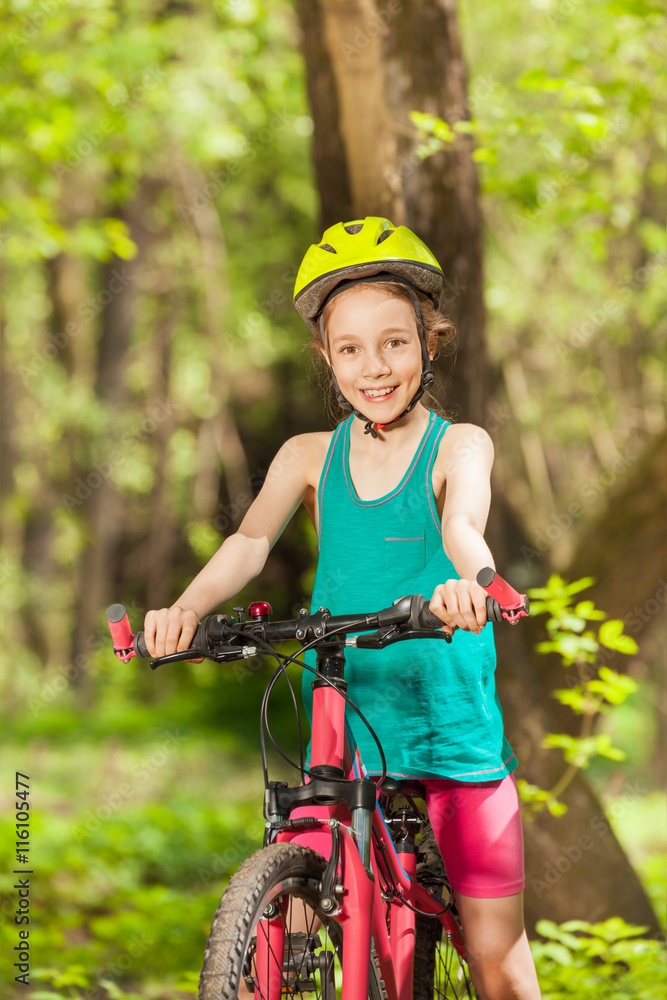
<point>370,249</point>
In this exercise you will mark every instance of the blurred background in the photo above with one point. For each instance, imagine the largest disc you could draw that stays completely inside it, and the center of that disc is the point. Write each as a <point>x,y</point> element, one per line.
<point>164,168</point>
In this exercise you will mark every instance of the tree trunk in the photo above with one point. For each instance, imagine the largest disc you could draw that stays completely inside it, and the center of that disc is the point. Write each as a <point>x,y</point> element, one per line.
<point>211,265</point>
<point>425,71</point>
<point>162,534</point>
<point>625,550</point>
<point>422,66</point>
<point>63,346</point>
<point>328,150</point>
<point>100,504</point>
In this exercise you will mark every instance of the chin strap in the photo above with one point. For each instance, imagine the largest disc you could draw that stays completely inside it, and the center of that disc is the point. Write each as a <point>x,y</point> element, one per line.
<point>427,372</point>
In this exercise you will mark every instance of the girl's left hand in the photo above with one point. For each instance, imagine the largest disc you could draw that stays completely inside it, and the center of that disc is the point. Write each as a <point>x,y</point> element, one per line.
<point>461,604</point>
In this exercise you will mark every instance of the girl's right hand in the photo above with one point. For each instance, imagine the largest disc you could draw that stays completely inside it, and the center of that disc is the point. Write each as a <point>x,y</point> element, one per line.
<point>170,630</point>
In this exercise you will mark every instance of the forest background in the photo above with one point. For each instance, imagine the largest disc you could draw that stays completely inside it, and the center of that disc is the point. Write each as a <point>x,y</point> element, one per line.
<point>164,167</point>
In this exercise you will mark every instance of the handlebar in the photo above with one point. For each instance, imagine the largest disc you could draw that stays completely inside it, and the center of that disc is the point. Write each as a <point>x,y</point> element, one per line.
<point>408,618</point>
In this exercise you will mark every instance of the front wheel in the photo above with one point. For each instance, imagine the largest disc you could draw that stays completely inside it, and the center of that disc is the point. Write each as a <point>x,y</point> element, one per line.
<point>270,937</point>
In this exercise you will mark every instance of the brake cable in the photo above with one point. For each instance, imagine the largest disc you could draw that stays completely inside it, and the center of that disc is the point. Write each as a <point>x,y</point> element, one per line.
<point>284,661</point>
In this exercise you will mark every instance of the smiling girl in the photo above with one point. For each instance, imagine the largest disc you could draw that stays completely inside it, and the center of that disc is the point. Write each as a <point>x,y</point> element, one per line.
<point>399,498</point>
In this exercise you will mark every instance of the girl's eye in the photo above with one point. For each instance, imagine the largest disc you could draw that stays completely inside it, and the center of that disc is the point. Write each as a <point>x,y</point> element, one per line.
<point>350,347</point>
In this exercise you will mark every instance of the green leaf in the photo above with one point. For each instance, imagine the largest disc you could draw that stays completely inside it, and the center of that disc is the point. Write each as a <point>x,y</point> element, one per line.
<point>579,751</point>
<point>611,636</point>
<point>547,928</point>
<point>576,925</point>
<point>555,807</point>
<point>587,609</point>
<point>573,622</point>
<point>571,647</point>
<point>433,124</point>
<point>562,741</point>
<point>556,932</point>
<point>583,584</point>
<point>557,952</point>
<point>595,947</point>
<point>574,697</point>
<point>615,929</point>
<point>537,607</point>
<point>615,688</point>
<point>604,748</point>
<point>71,975</point>
<point>555,584</point>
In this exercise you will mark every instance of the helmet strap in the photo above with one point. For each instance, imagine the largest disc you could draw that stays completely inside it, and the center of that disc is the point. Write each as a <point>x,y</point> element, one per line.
<point>427,372</point>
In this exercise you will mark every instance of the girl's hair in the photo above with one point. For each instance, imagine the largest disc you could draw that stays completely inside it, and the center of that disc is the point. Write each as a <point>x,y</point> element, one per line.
<point>440,340</point>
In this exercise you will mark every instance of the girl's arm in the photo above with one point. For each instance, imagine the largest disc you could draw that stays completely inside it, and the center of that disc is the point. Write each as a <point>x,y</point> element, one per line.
<point>467,459</point>
<point>242,556</point>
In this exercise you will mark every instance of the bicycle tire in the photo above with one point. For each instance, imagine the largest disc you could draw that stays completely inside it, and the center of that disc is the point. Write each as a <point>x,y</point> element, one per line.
<point>439,970</point>
<point>269,874</point>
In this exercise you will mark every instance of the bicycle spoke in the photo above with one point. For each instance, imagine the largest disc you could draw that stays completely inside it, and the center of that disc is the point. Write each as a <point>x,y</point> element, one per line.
<point>304,960</point>
<point>285,945</point>
<point>451,978</point>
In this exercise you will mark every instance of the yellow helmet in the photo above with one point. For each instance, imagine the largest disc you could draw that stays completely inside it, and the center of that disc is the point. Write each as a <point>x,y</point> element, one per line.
<point>359,249</point>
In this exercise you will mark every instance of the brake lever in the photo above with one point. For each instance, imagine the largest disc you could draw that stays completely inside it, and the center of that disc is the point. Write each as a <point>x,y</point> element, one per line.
<point>378,640</point>
<point>220,654</point>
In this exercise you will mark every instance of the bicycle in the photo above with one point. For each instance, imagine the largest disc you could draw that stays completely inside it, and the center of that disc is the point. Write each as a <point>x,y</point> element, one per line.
<point>365,917</point>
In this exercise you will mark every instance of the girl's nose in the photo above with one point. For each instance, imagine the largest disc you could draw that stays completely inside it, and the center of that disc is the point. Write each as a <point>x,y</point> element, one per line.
<point>376,364</point>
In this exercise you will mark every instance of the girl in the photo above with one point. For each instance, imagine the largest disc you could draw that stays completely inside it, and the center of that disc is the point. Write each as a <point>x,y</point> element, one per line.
<point>399,498</point>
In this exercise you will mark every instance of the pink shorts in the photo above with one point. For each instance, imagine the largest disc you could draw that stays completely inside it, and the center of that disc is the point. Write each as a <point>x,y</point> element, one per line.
<point>477,826</point>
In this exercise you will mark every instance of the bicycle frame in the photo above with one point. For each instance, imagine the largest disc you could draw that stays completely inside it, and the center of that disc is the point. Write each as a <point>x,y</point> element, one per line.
<point>360,856</point>
<point>358,905</point>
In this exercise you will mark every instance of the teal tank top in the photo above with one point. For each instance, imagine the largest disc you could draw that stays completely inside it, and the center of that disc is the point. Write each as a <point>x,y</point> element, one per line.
<point>432,704</point>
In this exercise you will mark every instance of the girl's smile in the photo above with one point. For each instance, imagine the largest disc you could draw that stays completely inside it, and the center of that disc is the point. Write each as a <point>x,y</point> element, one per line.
<point>379,395</point>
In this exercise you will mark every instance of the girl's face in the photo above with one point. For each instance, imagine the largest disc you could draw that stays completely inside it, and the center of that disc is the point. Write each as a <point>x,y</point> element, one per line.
<point>375,351</point>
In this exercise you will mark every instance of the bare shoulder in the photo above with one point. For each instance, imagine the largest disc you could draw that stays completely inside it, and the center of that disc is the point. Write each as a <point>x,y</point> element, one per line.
<point>307,451</point>
<point>461,443</point>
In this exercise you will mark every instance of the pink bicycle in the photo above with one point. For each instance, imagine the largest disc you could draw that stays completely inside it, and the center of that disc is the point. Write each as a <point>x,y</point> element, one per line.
<point>364,915</point>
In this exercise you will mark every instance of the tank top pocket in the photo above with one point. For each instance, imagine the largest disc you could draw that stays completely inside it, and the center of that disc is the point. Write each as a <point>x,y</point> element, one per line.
<point>405,556</point>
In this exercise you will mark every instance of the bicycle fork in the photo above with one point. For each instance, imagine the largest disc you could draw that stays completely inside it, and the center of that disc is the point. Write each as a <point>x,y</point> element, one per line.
<point>354,915</point>
<point>269,951</point>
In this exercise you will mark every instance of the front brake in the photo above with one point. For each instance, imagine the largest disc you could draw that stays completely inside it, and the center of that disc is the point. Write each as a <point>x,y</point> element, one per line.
<point>220,654</point>
<point>378,640</point>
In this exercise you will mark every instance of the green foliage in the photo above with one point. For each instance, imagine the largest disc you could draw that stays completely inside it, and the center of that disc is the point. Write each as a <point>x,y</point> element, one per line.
<point>578,751</point>
<point>127,126</point>
<point>563,107</point>
<point>134,854</point>
<point>532,796</point>
<point>576,645</point>
<point>602,960</point>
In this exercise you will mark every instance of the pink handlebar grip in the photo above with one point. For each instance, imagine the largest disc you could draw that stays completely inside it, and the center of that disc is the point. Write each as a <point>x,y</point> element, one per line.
<point>121,632</point>
<point>501,591</point>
